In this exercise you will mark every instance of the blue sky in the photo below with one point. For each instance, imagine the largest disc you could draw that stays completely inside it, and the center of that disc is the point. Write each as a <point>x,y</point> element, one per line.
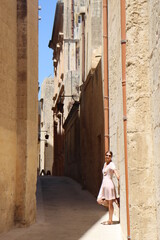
<point>45,33</point>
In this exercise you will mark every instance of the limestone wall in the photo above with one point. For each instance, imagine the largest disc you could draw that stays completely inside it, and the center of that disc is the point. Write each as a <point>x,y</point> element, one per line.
<point>92,131</point>
<point>142,76</point>
<point>32,110</point>
<point>8,112</point>
<point>72,164</point>
<point>67,19</point>
<point>116,101</point>
<point>18,115</point>
<point>140,135</point>
<point>93,33</point>
<point>47,91</point>
<point>154,57</point>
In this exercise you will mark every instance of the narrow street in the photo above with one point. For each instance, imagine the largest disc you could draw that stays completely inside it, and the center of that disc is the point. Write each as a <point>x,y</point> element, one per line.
<point>65,211</point>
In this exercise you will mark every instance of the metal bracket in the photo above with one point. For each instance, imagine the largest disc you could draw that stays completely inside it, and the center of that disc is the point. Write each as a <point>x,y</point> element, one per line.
<point>106,135</point>
<point>71,96</point>
<point>123,41</point>
<point>124,118</point>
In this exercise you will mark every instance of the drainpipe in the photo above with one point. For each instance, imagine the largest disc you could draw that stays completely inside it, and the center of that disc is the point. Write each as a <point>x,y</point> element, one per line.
<point>72,19</point>
<point>83,47</point>
<point>123,48</point>
<point>106,87</point>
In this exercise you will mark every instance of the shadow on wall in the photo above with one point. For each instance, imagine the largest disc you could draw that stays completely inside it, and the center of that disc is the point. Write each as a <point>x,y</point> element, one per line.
<point>83,156</point>
<point>92,130</point>
<point>72,164</point>
<point>84,135</point>
<point>58,163</point>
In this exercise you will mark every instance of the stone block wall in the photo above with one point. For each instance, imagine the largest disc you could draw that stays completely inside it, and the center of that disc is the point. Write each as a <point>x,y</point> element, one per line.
<point>8,112</point>
<point>116,101</point>
<point>92,131</point>
<point>19,111</point>
<point>72,80</point>
<point>154,75</point>
<point>72,164</point>
<point>46,157</point>
<point>140,134</point>
<point>142,77</point>
<point>93,33</point>
<point>67,19</point>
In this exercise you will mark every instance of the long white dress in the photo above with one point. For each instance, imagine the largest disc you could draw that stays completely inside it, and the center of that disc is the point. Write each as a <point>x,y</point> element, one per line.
<point>107,190</point>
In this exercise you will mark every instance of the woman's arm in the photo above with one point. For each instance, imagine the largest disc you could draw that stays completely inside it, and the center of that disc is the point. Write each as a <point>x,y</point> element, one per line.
<point>117,175</point>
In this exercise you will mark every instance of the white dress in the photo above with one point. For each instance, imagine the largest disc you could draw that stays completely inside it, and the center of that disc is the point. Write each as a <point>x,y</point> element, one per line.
<point>107,190</point>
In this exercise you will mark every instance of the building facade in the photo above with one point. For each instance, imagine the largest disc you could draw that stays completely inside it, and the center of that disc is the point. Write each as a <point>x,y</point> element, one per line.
<point>46,130</point>
<point>56,44</point>
<point>19,112</point>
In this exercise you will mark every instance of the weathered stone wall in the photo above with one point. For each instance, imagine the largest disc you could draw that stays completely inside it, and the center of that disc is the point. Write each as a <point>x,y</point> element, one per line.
<point>72,164</point>
<point>18,115</point>
<point>140,135</point>
<point>8,112</point>
<point>93,33</point>
<point>71,71</point>
<point>154,56</point>
<point>91,111</point>
<point>32,110</point>
<point>47,90</point>
<point>92,131</point>
<point>71,89</point>
<point>142,112</point>
<point>67,19</point>
<point>115,100</point>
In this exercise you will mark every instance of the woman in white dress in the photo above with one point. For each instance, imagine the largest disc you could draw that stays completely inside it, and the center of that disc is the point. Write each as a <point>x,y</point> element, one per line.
<point>107,192</point>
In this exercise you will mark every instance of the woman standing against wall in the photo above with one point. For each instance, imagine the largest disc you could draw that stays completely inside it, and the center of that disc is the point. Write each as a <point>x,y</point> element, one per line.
<point>107,192</point>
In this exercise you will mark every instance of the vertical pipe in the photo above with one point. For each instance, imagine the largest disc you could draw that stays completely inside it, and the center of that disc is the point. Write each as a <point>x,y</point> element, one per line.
<point>106,88</point>
<point>72,19</point>
<point>123,47</point>
<point>83,47</point>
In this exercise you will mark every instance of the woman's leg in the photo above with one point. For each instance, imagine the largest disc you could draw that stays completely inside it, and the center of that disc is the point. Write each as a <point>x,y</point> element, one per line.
<point>111,209</point>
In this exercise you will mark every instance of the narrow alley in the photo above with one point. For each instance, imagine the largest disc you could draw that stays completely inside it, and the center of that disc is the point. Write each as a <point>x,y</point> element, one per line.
<point>66,211</point>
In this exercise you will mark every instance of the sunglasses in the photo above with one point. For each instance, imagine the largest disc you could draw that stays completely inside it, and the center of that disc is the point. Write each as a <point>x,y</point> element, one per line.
<point>108,155</point>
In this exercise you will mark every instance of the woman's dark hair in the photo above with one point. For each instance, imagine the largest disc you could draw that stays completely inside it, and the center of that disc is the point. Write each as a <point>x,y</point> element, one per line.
<point>110,152</point>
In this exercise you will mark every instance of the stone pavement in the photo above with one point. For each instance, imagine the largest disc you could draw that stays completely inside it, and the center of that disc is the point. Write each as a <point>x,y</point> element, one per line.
<point>66,212</point>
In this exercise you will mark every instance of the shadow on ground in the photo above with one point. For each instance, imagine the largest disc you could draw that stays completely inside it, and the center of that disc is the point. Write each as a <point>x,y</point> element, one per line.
<point>64,211</point>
